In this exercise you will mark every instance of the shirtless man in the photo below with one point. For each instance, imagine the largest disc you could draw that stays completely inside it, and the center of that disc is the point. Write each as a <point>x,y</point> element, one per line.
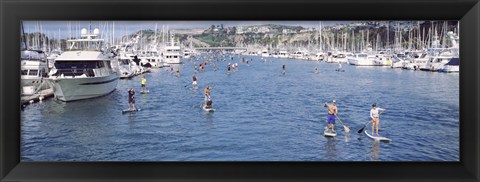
<point>332,112</point>
<point>207,91</point>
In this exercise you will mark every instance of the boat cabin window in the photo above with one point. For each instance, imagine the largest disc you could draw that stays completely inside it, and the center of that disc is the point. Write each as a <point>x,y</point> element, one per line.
<point>77,68</point>
<point>100,64</point>
<point>24,72</point>
<point>33,73</point>
<point>173,50</point>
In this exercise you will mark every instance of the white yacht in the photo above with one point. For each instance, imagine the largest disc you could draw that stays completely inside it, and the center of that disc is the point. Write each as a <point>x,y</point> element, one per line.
<point>172,53</point>
<point>418,62</point>
<point>283,54</point>
<point>400,60</point>
<point>299,55</point>
<point>251,53</point>
<point>150,59</point>
<point>264,53</point>
<point>126,69</point>
<point>186,53</point>
<point>382,59</point>
<point>317,56</point>
<point>361,59</point>
<point>337,58</point>
<point>437,62</point>
<point>453,66</point>
<point>83,71</point>
<point>34,67</point>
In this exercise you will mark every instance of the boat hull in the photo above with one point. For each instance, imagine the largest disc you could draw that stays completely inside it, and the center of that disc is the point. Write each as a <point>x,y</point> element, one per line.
<point>361,62</point>
<point>72,89</point>
<point>450,69</point>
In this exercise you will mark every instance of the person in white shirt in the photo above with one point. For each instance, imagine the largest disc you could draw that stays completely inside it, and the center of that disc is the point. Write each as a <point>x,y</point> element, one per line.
<point>375,115</point>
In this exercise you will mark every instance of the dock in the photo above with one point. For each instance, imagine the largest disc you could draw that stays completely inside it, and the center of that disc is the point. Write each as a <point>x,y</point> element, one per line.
<point>41,95</point>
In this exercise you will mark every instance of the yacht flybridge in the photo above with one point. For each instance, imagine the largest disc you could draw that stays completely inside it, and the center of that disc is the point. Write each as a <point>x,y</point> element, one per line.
<point>172,53</point>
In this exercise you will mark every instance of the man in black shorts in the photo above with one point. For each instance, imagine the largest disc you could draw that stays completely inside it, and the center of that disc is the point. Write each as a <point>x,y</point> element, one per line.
<point>131,99</point>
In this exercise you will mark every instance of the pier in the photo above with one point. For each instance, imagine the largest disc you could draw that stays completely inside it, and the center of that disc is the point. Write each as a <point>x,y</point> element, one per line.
<point>41,95</point>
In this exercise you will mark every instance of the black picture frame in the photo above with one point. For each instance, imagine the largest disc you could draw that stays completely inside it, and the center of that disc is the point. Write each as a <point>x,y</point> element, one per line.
<point>13,12</point>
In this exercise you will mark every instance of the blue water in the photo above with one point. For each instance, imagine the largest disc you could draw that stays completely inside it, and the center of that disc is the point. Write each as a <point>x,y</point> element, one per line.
<point>261,115</point>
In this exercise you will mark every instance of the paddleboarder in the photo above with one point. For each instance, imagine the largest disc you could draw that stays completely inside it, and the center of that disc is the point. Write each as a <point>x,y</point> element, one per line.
<point>131,99</point>
<point>375,115</point>
<point>207,91</point>
<point>332,111</point>
<point>194,80</point>
<point>144,84</point>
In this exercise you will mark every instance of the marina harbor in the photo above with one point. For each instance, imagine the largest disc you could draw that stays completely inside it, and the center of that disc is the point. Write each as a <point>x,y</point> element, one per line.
<point>240,91</point>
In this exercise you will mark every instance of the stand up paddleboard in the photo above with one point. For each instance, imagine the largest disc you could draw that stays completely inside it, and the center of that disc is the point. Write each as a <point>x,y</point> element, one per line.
<point>208,109</point>
<point>130,110</point>
<point>380,138</point>
<point>145,92</point>
<point>328,133</point>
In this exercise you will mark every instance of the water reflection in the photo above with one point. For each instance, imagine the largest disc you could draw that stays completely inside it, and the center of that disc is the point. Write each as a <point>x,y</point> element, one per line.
<point>208,120</point>
<point>331,149</point>
<point>347,137</point>
<point>131,119</point>
<point>375,152</point>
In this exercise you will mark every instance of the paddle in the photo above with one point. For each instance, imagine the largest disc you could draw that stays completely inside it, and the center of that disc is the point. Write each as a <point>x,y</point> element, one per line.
<point>365,125</point>
<point>344,127</point>
<point>188,83</point>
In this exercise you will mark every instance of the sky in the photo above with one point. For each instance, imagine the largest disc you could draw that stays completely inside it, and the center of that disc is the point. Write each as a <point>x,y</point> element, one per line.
<point>71,28</point>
